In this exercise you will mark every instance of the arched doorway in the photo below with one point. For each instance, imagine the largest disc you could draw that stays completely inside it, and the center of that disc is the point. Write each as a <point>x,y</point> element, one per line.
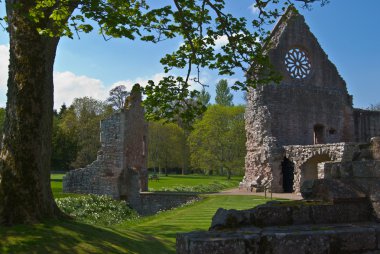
<point>287,175</point>
<point>309,170</point>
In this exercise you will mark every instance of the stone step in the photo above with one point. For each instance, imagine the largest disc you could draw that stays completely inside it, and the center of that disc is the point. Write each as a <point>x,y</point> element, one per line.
<point>284,213</point>
<point>324,238</point>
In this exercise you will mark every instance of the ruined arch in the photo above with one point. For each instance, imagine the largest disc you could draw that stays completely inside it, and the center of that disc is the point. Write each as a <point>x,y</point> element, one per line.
<point>309,169</point>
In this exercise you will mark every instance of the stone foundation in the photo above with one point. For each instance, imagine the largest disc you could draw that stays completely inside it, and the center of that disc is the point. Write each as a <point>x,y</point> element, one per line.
<point>150,203</point>
<point>352,238</point>
<point>340,215</point>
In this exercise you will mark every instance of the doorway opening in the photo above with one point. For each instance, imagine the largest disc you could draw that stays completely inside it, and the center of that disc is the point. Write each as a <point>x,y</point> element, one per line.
<point>287,175</point>
<point>319,131</point>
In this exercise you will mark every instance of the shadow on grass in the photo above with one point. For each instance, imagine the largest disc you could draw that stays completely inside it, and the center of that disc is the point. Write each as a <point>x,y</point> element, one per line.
<point>74,237</point>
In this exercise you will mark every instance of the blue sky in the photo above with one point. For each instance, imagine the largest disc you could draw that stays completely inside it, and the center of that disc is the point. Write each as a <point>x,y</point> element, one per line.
<point>90,66</point>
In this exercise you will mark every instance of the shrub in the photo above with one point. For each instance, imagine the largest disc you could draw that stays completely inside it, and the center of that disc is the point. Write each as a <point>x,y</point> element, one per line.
<point>94,209</point>
<point>212,187</point>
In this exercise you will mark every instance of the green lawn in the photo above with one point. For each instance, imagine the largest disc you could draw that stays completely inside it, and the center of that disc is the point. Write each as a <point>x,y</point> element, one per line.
<point>191,180</point>
<point>169,181</point>
<point>155,234</point>
<point>56,186</point>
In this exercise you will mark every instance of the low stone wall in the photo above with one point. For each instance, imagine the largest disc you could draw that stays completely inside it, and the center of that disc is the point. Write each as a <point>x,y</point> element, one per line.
<point>350,238</point>
<point>151,203</point>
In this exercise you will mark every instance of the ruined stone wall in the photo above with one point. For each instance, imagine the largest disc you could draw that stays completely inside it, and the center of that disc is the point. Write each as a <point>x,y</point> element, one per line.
<point>288,113</point>
<point>101,176</point>
<point>367,124</point>
<point>263,153</point>
<point>295,109</point>
<point>297,104</point>
<point>301,156</point>
<point>153,202</point>
<point>120,170</point>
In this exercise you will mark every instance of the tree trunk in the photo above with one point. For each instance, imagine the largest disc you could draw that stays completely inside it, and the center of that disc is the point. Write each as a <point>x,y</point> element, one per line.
<point>25,192</point>
<point>228,174</point>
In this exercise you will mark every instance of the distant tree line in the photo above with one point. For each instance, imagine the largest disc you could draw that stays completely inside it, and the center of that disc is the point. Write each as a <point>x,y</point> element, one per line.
<point>214,143</point>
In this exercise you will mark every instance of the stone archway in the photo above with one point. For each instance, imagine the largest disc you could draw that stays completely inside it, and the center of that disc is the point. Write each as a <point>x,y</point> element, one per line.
<point>309,169</point>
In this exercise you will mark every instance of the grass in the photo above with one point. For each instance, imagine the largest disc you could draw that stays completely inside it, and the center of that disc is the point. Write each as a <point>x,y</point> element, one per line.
<point>56,186</point>
<point>154,234</point>
<point>197,216</point>
<point>173,181</point>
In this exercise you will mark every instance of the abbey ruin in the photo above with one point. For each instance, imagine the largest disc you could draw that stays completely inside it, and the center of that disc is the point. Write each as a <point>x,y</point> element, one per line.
<point>305,120</point>
<point>120,170</point>
<point>303,136</point>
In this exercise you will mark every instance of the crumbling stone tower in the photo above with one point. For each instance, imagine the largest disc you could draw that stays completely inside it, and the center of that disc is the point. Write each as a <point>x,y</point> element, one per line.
<point>120,170</point>
<point>310,106</point>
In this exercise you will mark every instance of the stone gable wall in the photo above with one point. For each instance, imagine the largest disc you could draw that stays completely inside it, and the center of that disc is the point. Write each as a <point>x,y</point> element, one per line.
<point>289,113</point>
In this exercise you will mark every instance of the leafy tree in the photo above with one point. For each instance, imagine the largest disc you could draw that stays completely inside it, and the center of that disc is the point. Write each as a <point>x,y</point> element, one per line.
<point>62,110</point>
<point>64,144</point>
<point>218,139</point>
<point>87,114</point>
<point>223,94</point>
<point>165,147</point>
<point>117,97</point>
<point>204,97</point>
<point>35,28</point>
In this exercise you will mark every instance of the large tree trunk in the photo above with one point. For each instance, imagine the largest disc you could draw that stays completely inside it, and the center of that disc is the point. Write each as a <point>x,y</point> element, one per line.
<point>25,192</point>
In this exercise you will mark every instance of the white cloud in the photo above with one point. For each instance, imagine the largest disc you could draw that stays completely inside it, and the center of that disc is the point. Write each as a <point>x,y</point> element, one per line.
<point>143,81</point>
<point>221,41</point>
<point>254,9</point>
<point>68,86</point>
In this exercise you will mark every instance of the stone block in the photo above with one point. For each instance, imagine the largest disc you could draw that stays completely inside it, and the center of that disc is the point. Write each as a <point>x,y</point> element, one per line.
<point>270,215</point>
<point>353,240</point>
<point>217,243</point>
<point>229,218</point>
<point>293,242</point>
<point>340,213</point>
<point>301,215</point>
<point>333,190</point>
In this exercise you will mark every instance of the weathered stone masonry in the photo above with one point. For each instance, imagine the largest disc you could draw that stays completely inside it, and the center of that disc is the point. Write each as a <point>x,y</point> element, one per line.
<point>120,170</point>
<point>311,106</point>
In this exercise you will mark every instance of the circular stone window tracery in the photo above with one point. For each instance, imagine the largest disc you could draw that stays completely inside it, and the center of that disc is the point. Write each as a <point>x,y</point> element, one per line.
<point>297,63</point>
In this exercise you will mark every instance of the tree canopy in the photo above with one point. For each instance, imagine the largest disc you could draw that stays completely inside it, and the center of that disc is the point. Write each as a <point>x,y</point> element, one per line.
<point>223,93</point>
<point>218,139</point>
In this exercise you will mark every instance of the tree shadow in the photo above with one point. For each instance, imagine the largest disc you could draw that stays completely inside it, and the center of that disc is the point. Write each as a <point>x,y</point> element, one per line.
<point>74,237</point>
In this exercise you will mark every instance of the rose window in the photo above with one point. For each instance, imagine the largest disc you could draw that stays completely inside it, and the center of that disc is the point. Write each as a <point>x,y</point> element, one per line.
<point>297,63</point>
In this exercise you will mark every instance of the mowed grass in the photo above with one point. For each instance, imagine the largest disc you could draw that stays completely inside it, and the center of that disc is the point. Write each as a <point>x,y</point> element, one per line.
<point>154,234</point>
<point>172,181</point>
<point>197,216</point>
<point>149,235</point>
<point>56,186</point>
